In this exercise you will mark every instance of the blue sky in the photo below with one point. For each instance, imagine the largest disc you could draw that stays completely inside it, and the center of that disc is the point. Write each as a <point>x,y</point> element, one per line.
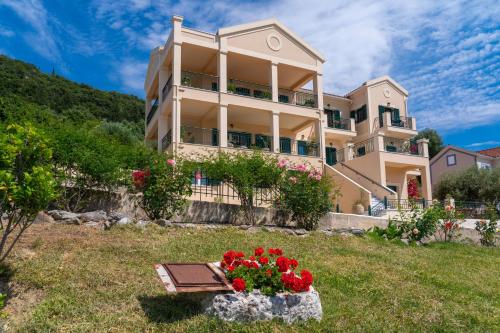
<point>445,53</point>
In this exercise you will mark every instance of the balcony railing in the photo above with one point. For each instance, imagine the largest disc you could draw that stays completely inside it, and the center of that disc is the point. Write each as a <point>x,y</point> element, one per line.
<point>402,122</point>
<point>305,99</point>
<point>395,145</point>
<point>343,124</point>
<point>166,89</point>
<point>152,111</point>
<point>362,148</point>
<point>249,89</point>
<point>200,81</point>
<point>200,136</point>
<point>244,140</point>
<point>166,140</point>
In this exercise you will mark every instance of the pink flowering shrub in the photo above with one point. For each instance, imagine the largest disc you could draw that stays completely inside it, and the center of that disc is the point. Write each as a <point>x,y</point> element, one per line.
<point>165,185</point>
<point>449,226</point>
<point>304,194</point>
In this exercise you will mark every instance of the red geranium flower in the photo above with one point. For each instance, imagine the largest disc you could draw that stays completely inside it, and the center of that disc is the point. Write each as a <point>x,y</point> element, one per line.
<point>293,263</point>
<point>298,285</point>
<point>240,255</point>
<point>254,264</point>
<point>282,263</point>
<point>259,251</point>
<point>231,268</point>
<point>252,258</point>
<point>287,279</point>
<point>307,278</point>
<point>275,251</point>
<point>239,284</point>
<point>229,256</point>
<point>269,273</point>
<point>264,260</point>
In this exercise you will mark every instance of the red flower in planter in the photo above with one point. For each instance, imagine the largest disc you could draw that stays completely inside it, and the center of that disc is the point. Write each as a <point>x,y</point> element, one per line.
<point>259,251</point>
<point>239,284</point>
<point>307,279</point>
<point>269,273</point>
<point>282,263</point>
<point>293,263</point>
<point>298,285</point>
<point>231,268</point>
<point>229,257</point>
<point>276,251</point>
<point>264,260</point>
<point>251,258</point>
<point>240,255</point>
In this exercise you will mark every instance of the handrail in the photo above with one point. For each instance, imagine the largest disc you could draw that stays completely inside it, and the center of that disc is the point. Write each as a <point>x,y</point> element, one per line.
<point>391,192</point>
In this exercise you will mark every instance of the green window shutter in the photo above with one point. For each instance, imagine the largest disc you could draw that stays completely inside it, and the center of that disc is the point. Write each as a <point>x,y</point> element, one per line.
<point>337,114</point>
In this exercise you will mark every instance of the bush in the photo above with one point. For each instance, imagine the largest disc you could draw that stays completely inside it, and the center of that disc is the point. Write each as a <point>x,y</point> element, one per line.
<point>26,181</point>
<point>487,229</point>
<point>304,194</point>
<point>245,172</point>
<point>449,223</point>
<point>165,186</point>
<point>472,184</point>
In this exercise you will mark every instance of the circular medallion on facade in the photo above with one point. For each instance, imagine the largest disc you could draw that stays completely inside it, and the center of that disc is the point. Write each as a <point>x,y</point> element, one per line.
<point>274,42</point>
<point>387,92</point>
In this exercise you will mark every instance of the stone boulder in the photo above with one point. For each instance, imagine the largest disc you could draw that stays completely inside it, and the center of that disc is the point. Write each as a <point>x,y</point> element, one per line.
<point>62,215</point>
<point>96,216</point>
<point>243,306</point>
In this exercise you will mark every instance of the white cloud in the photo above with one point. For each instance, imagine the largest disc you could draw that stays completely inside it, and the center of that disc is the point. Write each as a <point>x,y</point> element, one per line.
<point>42,38</point>
<point>132,74</point>
<point>483,144</point>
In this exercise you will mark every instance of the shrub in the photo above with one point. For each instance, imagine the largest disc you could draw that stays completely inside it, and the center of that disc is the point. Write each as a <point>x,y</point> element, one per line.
<point>415,223</point>
<point>487,229</point>
<point>470,185</point>
<point>391,232</point>
<point>449,225</point>
<point>270,274</point>
<point>26,181</point>
<point>245,172</point>
<point>165,185</point>
<point>304,194</point>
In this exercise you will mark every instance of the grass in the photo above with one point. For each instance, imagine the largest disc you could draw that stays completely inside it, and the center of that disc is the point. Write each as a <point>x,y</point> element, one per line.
<point>86,280</point>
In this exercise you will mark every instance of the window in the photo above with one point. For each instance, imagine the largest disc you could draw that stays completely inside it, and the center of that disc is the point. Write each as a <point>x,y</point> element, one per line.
<point>360,114</point>
<point>451,160</point>
<point>483,165</point>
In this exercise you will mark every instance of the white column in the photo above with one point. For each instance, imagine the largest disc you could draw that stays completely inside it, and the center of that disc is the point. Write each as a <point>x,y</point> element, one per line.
<point>176,120</point>
<point>353,124</point>
<point>320,138</point>
<point>423,147</point>
<point>162,130</point>
<point>318,89</point>
<point>274,81</point>
<point>222,70</point>
<point>378,144</point>
<point>387,119</point>
<point>425,175</point>
<point>348,152</point>
<point>222,125</point>
<point>176,59</point>
<point>275,130</point>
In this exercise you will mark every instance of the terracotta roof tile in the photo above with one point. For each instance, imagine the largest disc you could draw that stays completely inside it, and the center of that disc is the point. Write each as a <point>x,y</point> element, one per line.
<point>493,152</point>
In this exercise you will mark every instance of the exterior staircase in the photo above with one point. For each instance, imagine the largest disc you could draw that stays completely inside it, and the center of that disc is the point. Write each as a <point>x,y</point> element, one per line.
<point>377,207</point>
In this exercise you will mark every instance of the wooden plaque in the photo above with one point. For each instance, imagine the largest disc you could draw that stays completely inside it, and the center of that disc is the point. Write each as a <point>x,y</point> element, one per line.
<point>192,277</point>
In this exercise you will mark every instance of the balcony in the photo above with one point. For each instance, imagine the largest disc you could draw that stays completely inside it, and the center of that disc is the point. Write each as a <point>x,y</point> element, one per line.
<point>152,111</point>
<point>400,146</point>
<point>243,140</point>
<point>166,140</point>
<point>200,81</point>
<point>260,91</point>
<point>401,122</point>
<point>166,89</point>
<point>364,147</point>
<point>249,89</point>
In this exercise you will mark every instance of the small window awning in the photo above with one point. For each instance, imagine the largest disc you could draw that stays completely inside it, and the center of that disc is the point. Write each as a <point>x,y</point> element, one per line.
<point>192,277</point>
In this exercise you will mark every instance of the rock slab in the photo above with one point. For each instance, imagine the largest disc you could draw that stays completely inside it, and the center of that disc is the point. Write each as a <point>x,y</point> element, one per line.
<point>243,306</point>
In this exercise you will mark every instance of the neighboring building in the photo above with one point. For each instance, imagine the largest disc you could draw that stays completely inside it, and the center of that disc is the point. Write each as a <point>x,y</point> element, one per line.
<point>243,87</point>
<point>451,159</point>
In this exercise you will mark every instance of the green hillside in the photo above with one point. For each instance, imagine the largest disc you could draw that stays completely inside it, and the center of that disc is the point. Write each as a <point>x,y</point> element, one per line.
<point>24,80</point>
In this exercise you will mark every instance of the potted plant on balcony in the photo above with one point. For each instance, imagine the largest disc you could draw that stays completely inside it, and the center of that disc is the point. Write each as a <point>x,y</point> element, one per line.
<point>309,102</point>
<point>186,81</point>
<point>231,87</point>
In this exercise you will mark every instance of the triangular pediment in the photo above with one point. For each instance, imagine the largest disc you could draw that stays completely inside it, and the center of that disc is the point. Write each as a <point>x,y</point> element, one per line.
<point>272,38</point>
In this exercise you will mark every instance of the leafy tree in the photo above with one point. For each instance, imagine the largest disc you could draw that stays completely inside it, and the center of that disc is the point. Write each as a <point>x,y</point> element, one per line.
<point>245,172</point>
<point>26,181</point>
<point>472,184</point>
<point>435,141</point>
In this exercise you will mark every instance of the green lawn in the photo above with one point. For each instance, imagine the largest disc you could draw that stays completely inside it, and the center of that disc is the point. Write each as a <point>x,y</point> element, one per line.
<point>76,279</point>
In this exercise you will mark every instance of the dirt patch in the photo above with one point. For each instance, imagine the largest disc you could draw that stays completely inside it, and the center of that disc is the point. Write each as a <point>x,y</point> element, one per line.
<point>21,301</point>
